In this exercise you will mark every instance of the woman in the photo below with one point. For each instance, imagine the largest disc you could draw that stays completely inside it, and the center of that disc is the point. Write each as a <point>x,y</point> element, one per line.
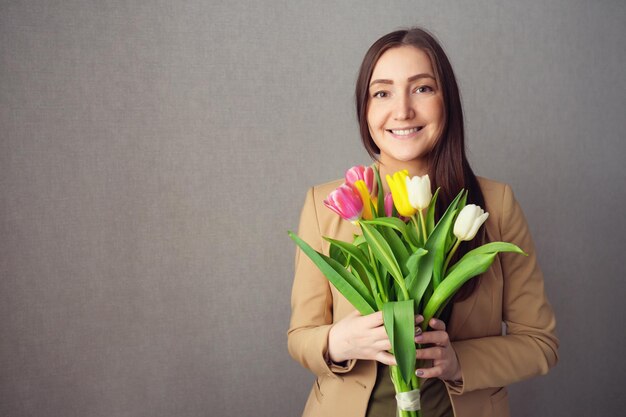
<point>410,117</point>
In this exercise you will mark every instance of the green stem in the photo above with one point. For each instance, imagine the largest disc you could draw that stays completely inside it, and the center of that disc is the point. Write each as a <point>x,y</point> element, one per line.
<point>415,384</point>
<point>423,225</point>
<point>402,285</point>
<point>401,386</point>
<point>381,288</point>
<point>417,228</point>
<point>445,265</point>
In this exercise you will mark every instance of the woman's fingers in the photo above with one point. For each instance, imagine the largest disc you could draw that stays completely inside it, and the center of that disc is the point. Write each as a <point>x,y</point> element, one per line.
<point>386,358</point>
<point>436,362</point>
<point>384,344</point>
<point>437,324</point>
<point>440,352</point>
<point>439,338</point>
<point>373,320</point>
<point>437,351</point>
<point>434,372</point>
<point>434,353</point>
<point>364,337</point>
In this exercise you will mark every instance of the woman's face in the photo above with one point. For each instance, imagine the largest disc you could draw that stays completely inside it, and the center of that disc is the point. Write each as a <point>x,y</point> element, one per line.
<point>405,108</point>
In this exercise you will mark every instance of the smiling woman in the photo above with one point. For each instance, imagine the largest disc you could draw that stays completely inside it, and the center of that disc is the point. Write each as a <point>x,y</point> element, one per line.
<point>405,111</point>
<point>410,118</point>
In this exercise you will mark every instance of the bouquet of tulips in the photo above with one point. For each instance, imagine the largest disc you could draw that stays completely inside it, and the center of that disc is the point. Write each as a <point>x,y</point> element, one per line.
<point>400,263</point>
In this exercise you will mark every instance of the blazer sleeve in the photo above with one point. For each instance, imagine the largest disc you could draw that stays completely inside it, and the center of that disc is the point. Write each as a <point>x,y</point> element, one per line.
<point>311,301</point>
<point>530,345</point>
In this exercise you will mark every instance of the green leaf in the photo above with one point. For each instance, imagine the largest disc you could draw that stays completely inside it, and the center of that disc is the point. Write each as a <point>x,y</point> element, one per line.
<point>382,252</point>
<point>488,248</point>
<point>474,263</point>
<point>362,274</point>
<point>399,321</point>
<point>473,266</point>
<point>353,282</point>
<point>392,222</point>
<point>427,294</point>
<point>388,320</point>
<point>381,194</point>
<point>412,264</point>
<point>495,247</point>
<point>416,288</point>
<point>423,278</point>
<point>451,239</point>
<point>436,243</point>
<point>338,255</point>
<point>430,215</point>
<point>463,201</point>
<point>397,247</point>
<point>419,231</point>
<point>359,273</point>
<point>350,250</point>
<point>413,236</point>
<point>349,286</point>
<point>386,280</point>
<point>359,262</point>
<point>358,240</point>
<point>434,258</point>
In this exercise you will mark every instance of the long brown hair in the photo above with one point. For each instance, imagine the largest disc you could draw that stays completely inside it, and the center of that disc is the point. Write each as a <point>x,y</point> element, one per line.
<point>448,165</point>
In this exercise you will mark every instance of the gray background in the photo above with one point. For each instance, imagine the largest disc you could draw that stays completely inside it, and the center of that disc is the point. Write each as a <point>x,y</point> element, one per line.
<point>153,155</point>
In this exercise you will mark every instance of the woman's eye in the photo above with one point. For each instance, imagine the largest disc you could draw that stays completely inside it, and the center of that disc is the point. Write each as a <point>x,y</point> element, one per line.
<point>380,94</point>
<point>424,89</point>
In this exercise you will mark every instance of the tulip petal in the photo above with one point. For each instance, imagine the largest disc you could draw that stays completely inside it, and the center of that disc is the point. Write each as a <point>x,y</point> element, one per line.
<point>360,172</point>
<point>361,188</point>
<point>397,184</point>
<point>345,202</point>
<point>469,221</point>
<point>476,225</point>
<point>419,192</point>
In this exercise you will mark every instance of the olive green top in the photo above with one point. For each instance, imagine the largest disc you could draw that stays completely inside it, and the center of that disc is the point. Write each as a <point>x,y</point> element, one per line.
<point>433,397</point>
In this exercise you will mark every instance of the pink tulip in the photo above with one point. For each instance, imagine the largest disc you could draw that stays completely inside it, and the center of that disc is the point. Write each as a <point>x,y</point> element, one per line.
<point>345,202</point>
<point>388,205</point>
<point>360,172</point>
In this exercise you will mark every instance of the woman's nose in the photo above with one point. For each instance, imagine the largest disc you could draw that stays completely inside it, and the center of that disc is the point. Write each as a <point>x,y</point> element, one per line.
<point>403,108</point>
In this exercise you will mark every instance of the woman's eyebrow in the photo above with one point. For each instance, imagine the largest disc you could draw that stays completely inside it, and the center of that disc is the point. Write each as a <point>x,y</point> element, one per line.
<point>412,78</point>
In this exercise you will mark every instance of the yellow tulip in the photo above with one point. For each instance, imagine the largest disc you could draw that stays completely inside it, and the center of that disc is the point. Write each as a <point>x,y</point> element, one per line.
<point>397,185</point>
<point>363,191</point>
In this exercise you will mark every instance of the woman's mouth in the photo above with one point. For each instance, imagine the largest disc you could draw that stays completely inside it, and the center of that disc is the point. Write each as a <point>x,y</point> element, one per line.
<point>405,132</point>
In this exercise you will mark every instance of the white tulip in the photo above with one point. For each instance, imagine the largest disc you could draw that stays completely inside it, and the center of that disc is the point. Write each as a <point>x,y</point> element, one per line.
<point>469,221</point>
<point>419,192</point>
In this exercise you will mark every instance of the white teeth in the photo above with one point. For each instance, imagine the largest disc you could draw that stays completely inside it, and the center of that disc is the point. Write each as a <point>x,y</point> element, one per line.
<point>405,132</point>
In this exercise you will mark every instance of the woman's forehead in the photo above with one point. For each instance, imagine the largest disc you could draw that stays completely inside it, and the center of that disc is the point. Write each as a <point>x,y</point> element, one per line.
<point>401,63</point>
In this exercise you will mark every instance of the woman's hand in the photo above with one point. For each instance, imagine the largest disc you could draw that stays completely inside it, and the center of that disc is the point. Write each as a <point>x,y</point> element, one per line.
<point>445,363</point>
<point>360,337</point>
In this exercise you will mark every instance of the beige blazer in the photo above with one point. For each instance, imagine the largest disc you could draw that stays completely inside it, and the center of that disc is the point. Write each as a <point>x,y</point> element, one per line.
<point>510,292</point>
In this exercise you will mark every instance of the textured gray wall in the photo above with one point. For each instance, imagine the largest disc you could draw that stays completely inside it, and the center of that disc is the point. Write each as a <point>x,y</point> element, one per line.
<point>154,153</point>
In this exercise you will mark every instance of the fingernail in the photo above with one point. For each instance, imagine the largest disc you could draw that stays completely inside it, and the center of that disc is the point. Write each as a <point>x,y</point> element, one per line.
<point>419,338</point>
<point>419,373</point>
